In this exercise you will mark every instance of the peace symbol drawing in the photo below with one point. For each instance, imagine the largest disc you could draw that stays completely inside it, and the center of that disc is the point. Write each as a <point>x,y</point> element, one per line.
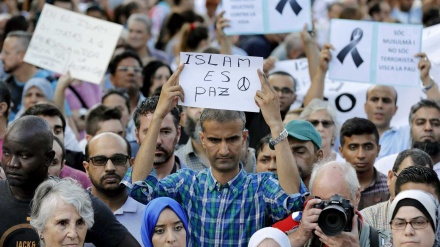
<point>243,84</point>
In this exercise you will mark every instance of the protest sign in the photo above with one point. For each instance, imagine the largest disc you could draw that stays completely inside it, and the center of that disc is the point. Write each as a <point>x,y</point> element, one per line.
<point>348,98</point>
<point>220,81</point>
<point>267,16</point>
<point>378,53</point>
<point>431,40</point>
<point>67,41</point>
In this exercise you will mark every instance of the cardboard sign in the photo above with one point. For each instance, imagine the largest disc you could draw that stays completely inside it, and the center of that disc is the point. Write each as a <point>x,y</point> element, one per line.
<point>378,53</point>
<point>267,16</point>
<point>67,41</point>
<point>220,81</point>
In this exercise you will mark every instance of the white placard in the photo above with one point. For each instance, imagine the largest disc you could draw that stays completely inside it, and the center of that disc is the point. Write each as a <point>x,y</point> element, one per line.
<point>67,41</point>
<point>431,41</point>
<point>220,81</point>
<point>378,53</point>
<point>267,16</point>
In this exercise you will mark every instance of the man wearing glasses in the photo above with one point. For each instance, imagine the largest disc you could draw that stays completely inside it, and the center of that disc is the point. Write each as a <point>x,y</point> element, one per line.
<point>126,73</point>
<point>108,159</point>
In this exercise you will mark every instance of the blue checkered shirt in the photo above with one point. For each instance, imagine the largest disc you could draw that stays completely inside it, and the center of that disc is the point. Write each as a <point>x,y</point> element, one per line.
<point>225,215</point>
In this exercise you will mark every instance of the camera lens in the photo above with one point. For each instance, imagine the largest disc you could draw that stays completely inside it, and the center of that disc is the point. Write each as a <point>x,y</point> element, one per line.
<point>332,220</point>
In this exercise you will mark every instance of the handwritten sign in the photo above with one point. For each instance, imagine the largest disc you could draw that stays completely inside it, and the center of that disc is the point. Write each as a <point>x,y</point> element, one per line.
<point>267,16</point>
<point>67,41</point>
<point>220,82</point>
<point>378,53</point>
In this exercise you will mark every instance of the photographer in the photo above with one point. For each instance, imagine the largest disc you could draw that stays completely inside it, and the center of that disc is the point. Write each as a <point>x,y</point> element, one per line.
<point>327,181</point>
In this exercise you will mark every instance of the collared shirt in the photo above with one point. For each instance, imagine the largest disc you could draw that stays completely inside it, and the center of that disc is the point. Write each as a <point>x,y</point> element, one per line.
<point>376,192</point>
<point>225,215</point>
<point>394,140</point>
<point>377,216</point>
<point>131,216</point>
<point>187,154</point>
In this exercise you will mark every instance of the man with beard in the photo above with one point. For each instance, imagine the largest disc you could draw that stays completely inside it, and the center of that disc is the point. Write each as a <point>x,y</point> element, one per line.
<point>108,159</point>
<point>192,153</point>
<point>424,119</point>
<point>165,162</point>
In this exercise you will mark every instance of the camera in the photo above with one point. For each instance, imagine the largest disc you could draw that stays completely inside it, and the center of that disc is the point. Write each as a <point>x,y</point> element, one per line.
<point>336,215</point>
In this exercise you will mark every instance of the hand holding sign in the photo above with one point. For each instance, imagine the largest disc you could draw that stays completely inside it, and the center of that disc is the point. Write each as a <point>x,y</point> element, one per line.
<point>424,66</point>
<point>324,57</point>
<point>268,101</point>
<point>170,94</point>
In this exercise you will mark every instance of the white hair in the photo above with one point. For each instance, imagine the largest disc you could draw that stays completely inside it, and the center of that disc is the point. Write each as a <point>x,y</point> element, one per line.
<point>316,105</point>
<point>141,18</point>
<point>347,169</point>
<point>48,195</point>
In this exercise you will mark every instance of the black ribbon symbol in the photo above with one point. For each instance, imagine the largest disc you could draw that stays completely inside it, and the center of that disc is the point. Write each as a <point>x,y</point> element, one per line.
<point>356,37</point>
<point>295,6</point>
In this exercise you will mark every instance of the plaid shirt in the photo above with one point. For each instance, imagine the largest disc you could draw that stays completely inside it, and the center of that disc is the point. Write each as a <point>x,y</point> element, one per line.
<point>225,215</point>
<point>376,192</point>
<point>377,217</point>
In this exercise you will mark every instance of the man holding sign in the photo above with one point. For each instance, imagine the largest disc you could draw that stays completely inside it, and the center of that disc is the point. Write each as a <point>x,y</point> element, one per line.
<point>225,205</point>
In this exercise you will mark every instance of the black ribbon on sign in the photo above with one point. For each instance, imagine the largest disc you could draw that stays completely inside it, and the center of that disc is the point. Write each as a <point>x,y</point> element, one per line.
<point>295,6</point>
<point>356,37</point>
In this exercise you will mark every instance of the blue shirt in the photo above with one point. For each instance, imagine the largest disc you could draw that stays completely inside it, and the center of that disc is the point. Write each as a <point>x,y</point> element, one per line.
<point>223,215</point>
<point>394,140</point>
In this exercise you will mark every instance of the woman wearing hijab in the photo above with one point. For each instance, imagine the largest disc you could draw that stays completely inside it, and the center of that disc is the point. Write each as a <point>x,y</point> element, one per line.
<point>269,236</point>
<point>35,90</point>
<point>164,224</point>
<point>414,220</point>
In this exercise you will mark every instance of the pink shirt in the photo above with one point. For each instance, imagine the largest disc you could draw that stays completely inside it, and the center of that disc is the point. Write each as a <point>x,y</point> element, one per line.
<point>78,175</point>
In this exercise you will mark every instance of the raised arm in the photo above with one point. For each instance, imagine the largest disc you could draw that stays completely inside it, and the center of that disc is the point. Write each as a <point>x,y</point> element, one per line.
<point>312,51</point>
<point>424,67</point>
<point>267,100</point>
<point>222,38</point>
<point>171,92</point>
<point>316,89</point>
<point>59,97</point>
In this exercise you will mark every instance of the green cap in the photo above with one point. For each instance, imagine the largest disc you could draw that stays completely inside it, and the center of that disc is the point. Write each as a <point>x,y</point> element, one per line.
<point>304,131</point>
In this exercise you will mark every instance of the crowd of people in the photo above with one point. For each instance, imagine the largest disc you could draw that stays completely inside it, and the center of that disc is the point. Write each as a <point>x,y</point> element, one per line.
<point>122,164</point>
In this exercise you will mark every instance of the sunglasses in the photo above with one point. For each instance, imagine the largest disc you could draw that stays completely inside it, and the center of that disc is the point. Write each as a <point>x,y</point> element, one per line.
<point>325,123</point>
<point>117,160</point>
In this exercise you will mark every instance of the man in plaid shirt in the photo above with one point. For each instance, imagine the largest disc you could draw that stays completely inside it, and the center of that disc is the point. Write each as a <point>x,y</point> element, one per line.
<point>224,204</point>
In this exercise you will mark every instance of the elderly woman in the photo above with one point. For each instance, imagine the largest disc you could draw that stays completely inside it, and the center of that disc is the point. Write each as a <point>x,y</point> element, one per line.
<point>36,90</point>
<point>323,116</point>
<point>61,213</point>
<point>414,220</point>
<point>164,224</point>
<point>269,236</point>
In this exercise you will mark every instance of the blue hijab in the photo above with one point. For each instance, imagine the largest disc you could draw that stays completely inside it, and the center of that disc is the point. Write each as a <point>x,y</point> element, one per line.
<point>152,213</point>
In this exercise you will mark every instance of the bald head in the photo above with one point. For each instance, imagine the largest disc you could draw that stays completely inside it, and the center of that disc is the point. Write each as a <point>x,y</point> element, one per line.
<point>388,89</point>
<point>32,129</point>
<point>100,141</point>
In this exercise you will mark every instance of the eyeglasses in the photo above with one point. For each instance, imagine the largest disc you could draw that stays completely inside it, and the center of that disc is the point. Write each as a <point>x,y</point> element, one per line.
<point>416,223</point>
<point>395,174</point>
<point>283,90</point>
<point>325,123</point>
<point>117,160</point>
<point>135,69</point>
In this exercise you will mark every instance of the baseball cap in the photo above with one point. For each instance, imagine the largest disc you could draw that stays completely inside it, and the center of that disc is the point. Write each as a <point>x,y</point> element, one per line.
<point>304,131</point>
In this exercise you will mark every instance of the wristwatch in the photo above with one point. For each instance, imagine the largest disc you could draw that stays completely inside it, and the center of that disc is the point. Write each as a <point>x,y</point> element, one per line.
<point>272,142</point>
<point>429,86</point>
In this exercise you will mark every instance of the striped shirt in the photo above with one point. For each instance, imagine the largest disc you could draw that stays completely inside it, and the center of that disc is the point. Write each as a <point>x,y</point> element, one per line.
<point>376,192</point>
<point>377,216</point>
<point>225,215</point>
